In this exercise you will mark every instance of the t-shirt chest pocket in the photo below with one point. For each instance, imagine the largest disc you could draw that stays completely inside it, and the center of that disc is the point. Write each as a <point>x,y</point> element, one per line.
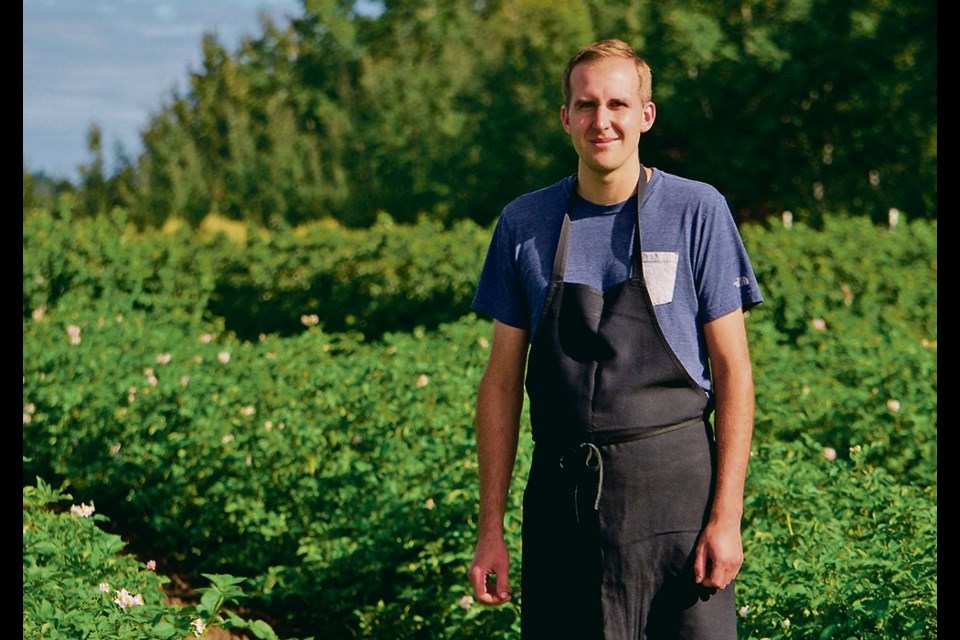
<point>660,274</point>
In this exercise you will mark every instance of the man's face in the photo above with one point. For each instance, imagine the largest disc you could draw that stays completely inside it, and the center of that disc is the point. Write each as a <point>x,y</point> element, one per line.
<point>605,116</point>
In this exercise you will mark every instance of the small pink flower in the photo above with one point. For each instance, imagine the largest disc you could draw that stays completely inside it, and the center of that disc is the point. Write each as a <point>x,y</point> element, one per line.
<point>38,313</point>
<point>819,324</point>
<point>115,448</point>
<point>743,611</point>
<point>223,357</point>
<point>893,405</point>
<point>466,602</point>
<point>151,565</point>
<point>310,320</point>
<point>164,358</point>
<point>73,331</point>
<point>423,381</point>
<point>104,587</point>
<point>430,504</point>
<point>830,453</point>
<point>206,338</point>
<point>247,411</point>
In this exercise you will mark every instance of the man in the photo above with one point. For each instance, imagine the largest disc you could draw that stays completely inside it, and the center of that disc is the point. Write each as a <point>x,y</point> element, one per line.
<point>625,323</point>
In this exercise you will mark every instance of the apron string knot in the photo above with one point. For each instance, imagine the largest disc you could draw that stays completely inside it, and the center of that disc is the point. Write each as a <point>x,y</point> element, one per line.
<point>594,462</point>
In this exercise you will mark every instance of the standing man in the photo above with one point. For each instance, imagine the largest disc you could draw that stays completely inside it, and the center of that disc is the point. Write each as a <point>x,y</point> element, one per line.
<point>618,298</point>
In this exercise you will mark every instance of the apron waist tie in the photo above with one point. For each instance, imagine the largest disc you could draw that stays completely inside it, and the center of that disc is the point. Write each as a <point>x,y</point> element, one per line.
<point>593,462</point>
<point>594,459</point>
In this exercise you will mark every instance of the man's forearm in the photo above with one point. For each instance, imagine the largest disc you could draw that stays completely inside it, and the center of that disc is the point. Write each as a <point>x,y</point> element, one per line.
<point>498,427</point>
<point>734,433</point>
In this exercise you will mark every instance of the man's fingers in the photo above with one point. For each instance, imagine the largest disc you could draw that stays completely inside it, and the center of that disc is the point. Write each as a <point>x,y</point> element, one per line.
<point>489,587</point>
<point>501,586</point>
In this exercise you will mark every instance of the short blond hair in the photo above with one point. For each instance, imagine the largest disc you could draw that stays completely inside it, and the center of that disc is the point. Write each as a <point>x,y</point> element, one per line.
<point>610,48</point>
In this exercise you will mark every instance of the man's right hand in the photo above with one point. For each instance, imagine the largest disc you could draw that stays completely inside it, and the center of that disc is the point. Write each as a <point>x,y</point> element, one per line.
<point>489,573</point>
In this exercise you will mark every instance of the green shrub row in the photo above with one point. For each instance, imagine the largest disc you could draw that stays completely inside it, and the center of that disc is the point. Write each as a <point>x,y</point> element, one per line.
<point>388,277</point>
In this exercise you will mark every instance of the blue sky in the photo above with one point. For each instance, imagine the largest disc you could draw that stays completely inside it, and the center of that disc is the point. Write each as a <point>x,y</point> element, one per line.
<point>113,63</point>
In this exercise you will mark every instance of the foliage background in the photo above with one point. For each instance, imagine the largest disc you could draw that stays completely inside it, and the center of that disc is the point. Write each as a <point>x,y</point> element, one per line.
<point>449,108</point>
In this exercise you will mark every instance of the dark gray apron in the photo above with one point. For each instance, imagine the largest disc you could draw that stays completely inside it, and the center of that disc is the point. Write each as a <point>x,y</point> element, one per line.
<point>622,471</point>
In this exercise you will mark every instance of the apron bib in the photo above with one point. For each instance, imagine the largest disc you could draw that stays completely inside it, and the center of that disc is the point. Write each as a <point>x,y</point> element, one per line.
<point>622,471</point>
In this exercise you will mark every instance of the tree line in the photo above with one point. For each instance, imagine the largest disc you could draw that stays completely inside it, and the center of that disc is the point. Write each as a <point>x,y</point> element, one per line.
<point>448,109</point>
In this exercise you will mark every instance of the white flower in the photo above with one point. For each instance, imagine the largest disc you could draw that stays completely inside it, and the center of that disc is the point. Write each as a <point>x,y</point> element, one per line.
<point>83,510</point>
<point>310,320</point>
<point>104,587</point>
<point>744,610</point>
<point>830,453</point>
<point>466,602</point>
<point>819,324</point>
<point>164,358</point>
<point>893,405</point>
<point>423,381</point>
<point>248,410</point>
<point>124,599</point>
<point>223,357</point>
<point>893,218</point>
<point>198,627</point>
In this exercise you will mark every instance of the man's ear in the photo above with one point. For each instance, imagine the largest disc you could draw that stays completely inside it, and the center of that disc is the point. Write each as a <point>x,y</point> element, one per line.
<point>649,116</point>
<point>565,118</point>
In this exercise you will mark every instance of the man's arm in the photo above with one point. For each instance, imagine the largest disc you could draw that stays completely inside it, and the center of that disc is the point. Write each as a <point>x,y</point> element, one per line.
<point>719,553</point>
<point>499,403</point>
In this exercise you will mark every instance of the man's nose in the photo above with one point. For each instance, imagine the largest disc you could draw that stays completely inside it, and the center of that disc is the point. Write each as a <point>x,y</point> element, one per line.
<point>601,117</point>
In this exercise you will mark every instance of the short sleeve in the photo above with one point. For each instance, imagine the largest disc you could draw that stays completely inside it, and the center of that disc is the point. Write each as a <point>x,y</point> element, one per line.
<point>500,292</point>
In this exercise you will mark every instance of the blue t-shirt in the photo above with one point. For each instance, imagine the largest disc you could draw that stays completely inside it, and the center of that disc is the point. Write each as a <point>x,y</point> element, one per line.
<point>694,261</point>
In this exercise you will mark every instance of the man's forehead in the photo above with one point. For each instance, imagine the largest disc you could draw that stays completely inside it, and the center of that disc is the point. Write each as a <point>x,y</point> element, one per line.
<point>604,74</point>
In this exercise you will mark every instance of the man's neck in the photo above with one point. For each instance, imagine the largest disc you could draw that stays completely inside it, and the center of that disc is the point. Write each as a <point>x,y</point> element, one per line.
<point>608,188</point>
